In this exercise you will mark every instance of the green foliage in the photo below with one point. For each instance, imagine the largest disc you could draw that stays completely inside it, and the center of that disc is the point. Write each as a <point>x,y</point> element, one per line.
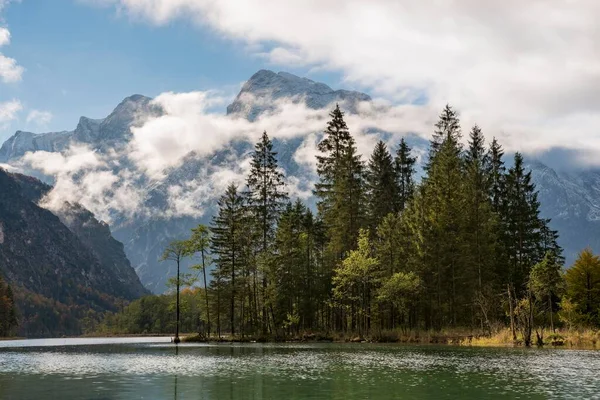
<point>383,251</point>
<point>356,278</point>
<point>546,282</point>
<point>583,288</point>
<point>340,189</point>
<point>400,290</point>
<point>404,165</point>
<point>381,186</point>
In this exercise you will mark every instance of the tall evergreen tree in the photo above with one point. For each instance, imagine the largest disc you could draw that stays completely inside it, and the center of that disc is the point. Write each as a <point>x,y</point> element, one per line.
<point>404,164</point>
<point>381,186</point>
<point>226,245</point>
<point>522,225</point>
<point>340,189</point>
<point>497,176</point>
<point>266,198</point>
<point>480,223</point>
<point>447,128</point>
<point>444,191</point>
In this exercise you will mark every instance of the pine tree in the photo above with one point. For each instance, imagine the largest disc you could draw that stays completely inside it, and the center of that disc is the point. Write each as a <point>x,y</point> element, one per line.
<point>523,225</point>
<point>480,223</point>
<point>447,128</point>
<point>381,186</point>
<point>266,198</point>
<point>226,245</point>
<point>340,189</point>
<point>444,194</point>
<point>404,165</point>
<point>497,176</point>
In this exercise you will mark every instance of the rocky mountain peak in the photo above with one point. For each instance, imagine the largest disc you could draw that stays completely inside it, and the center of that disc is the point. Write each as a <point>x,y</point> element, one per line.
<point>264,87</point>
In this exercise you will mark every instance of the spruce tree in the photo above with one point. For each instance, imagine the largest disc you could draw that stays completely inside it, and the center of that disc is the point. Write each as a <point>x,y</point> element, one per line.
<point>444,195</point>
<point>479,230</point>
<point>340,189</point>
<point>266,198</point>
<point>447,128</point>
<point>404,165</point>
<point>480,222</point>
<point>226,245</point>
<point>381,186</point>
<point>497,176</point>
<point>522,226</point>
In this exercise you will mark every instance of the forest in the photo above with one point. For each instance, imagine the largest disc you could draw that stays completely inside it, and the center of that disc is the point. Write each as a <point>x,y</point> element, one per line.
<point>8,312</point>
<point>463,246</point>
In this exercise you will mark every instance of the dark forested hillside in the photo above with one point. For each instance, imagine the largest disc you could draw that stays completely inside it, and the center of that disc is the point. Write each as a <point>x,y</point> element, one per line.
<point>60,273</point>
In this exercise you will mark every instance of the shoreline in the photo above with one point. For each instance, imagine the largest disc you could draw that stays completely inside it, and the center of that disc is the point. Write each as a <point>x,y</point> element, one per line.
<point>577,340</point>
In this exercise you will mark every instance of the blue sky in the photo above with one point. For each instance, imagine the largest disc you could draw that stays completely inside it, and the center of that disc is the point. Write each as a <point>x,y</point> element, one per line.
<point>83,60</point>
<point>528,73</point>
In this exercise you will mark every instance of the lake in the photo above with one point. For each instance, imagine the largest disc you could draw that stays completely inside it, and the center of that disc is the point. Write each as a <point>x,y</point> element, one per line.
<point>152,368</point>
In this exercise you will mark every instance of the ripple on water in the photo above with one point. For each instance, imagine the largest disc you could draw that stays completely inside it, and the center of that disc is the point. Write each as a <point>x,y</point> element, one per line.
<point>319,369</point>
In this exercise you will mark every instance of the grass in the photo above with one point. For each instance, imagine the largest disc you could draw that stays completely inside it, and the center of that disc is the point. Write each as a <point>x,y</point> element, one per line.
<point>572,338</point>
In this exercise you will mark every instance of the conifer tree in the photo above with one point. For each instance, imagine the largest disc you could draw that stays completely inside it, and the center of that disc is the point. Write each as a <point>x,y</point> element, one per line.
<point>381,186</point>
<point>447,127</point>
<point>480,223</point>
<point>340,189</point>
<point>444,194</point>
<point>522,225</point>
<point>266,198</point>
<point>226,245</point>
<point>404,165</point>
<point>496,176</point>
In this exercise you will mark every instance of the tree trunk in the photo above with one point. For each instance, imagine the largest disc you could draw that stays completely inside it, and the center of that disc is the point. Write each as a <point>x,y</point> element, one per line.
<point>551,316</point>
<point>176,340</point>
<point>512,314</point>
<point>206,294</point>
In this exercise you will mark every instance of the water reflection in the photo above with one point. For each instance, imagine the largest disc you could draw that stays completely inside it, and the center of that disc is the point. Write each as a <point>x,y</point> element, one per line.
<point>161,370</point>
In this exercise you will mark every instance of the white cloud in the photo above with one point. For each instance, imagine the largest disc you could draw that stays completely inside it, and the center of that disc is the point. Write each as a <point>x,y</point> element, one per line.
<point>10,71</point>
<point>528,69</point>
<point>83,176</point>
<point>9,111</point>
<point>40,118</point>
<point>4,36</point>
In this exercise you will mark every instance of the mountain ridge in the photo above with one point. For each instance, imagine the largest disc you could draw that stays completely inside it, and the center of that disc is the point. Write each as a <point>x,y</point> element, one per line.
<point>564,198</point>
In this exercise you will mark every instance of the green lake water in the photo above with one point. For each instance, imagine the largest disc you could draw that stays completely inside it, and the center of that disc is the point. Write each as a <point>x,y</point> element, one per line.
<point>152,368</point>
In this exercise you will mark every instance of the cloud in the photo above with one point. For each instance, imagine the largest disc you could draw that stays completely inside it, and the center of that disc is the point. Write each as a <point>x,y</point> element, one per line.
<point>9,111</point>
<point>519,69</point>
<point>4,37</point>
<point>10,71</point>
<point>84,176</point>
<point>40,118</point>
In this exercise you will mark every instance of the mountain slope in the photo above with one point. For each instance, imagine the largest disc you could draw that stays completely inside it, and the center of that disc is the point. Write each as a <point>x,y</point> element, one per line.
<point>569,200</point>
<point>57,277</point>
<point>572,201</point>
<point>100,133</point>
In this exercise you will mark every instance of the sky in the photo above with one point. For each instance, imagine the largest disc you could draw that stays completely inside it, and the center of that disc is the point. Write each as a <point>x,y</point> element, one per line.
<point>81,59</point>
<point>528,73</point>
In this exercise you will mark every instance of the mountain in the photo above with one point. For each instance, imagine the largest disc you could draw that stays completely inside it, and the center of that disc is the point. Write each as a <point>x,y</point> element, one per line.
<point>64,268</point>
<point>105,133</point>
<point>570,200</point>
<point>265,87</point>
